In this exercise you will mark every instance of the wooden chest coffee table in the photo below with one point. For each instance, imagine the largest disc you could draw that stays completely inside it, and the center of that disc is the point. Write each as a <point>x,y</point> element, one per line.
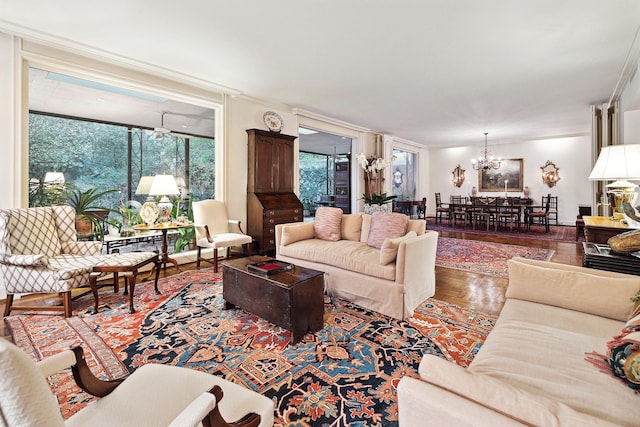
<point>293,299</point>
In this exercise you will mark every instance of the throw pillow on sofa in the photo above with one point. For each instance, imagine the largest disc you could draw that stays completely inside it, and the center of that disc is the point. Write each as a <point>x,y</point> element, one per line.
<point>389,249</point>
<point>385,225</point>
<point>623,353</point>
<point>326,225</point>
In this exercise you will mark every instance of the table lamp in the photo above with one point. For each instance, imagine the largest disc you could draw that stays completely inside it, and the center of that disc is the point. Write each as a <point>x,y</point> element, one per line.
<point>618,163</point>
<point>164,185</point>
<point>144,185</point>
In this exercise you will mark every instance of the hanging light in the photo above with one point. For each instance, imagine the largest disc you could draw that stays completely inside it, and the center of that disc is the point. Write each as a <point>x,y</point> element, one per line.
<point>486,161</point>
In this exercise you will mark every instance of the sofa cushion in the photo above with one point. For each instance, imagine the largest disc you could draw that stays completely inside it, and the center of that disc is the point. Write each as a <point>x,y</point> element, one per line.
<point>544,349</point>
<point>385,225</point>
<point>624,357</point>
<point>580,289</point>
<point>295,232</point>
<point>366,226</point>
<point>351,226</point>
<point>530,408</point>
<point>327,223</point>
<point>345,254</point>
<point>389,249</point>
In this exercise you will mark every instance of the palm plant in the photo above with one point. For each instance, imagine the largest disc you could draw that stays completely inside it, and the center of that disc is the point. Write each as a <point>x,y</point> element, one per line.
<point>83,203</point>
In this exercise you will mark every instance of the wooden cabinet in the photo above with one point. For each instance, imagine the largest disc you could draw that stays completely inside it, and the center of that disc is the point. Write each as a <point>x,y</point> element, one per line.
<point>342,185</point>
<point>270,196</point>
<point>271,162</point>
<point>265,210</point>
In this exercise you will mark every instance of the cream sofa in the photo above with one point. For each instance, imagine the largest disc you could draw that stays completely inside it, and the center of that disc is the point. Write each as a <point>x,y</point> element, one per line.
<point>533,367</point>
<point>353,270</point>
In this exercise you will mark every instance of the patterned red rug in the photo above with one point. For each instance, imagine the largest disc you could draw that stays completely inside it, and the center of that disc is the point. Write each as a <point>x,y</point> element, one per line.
<point>483,257</point>
<point>345,374</point>
<point>557,233</point>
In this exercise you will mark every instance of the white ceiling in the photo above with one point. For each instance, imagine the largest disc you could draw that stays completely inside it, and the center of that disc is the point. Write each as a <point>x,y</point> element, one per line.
<point>431,71</point>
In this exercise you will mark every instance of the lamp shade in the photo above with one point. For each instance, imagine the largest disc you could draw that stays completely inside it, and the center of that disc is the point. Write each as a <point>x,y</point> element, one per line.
<point>617,162</point>
<point>54,178</point>
<point>164,185</point>
<point>144,185</point>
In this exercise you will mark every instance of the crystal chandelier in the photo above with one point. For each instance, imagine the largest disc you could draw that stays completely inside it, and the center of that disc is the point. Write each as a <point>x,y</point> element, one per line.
<point>486,161</point>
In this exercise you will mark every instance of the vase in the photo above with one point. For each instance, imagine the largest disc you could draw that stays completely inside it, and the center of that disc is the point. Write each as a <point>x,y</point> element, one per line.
<point>474,191</point>
<point>370,209</point>
<point>526,191</point>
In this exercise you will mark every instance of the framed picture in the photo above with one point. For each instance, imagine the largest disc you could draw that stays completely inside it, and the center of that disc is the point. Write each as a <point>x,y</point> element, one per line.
<point>509,173</point>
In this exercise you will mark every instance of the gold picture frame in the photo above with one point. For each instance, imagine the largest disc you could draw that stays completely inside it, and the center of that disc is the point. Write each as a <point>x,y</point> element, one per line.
<point>493,180</point>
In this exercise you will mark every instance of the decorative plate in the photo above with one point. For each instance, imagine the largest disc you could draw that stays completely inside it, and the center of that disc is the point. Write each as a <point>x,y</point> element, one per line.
<point>149,213</point>
<point>273,121</point>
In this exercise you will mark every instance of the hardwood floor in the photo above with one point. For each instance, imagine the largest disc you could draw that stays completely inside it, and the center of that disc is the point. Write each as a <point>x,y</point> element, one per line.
<point>476,291</point>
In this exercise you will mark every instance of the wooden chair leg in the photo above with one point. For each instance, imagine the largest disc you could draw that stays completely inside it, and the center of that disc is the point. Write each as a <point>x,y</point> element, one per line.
<point>215,259</point>
<point>66,302</point>
<point>198,256</point>
<point>8,303</point>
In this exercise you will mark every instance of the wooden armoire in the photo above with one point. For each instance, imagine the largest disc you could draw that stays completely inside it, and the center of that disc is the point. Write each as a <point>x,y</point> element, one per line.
<point>270,196</point>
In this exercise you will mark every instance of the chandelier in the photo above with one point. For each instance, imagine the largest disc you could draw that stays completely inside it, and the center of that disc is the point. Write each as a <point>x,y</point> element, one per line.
<point>486,161</point>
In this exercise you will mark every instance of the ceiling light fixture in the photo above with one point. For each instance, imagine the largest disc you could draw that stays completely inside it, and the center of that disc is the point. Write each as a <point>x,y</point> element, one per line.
<point>486,161</point>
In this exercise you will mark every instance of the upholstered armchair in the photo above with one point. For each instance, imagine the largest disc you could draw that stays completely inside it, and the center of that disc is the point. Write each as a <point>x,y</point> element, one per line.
<point>153,395</point>
<point>215,230</point>
<point>40,253</point>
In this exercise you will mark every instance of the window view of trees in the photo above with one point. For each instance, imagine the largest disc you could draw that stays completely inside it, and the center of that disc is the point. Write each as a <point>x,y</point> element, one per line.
<point>102,156</point>
<point>314,180</point>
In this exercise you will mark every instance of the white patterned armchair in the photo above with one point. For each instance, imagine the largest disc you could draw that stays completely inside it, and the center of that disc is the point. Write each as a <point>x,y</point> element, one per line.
<point>39,253</point>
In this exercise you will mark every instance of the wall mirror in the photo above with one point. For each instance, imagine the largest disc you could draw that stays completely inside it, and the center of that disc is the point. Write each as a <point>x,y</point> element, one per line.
<point>550,173</point>
<point>458,176</point>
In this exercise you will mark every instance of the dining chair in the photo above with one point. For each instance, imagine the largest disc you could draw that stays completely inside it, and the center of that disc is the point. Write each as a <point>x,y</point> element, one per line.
<point>541,215</point>
<point>553,208</point>
<point>442,209</point>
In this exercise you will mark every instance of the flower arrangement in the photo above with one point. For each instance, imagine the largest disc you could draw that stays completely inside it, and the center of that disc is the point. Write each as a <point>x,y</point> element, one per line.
<point>372,165</point>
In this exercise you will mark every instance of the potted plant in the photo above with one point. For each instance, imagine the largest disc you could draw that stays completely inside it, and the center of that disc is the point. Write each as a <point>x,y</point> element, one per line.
<point>377,202</point>
<point>89,215</point>
<point>186,235</point>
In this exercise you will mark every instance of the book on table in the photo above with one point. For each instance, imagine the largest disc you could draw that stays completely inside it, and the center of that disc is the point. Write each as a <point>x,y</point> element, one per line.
<point>269,267</point>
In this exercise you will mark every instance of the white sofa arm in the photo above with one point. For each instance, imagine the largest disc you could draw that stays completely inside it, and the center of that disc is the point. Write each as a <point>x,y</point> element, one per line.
<point>56,363</point>
<point>415,269</point>
<point>193,414</point>
<point>293,232</point>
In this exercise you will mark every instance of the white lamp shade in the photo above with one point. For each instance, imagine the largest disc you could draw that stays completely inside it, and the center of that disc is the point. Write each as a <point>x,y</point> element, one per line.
<point>164,185</point>
<point>144,185</point>
<point>54,178</point>
<point>617,162</point>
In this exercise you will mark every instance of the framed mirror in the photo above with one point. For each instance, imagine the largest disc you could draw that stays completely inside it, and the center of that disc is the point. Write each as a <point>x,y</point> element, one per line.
<point>458,176</point>
<point>550,173</point>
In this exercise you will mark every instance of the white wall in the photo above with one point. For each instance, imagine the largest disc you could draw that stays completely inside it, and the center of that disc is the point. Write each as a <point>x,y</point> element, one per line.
<point>571,155</point>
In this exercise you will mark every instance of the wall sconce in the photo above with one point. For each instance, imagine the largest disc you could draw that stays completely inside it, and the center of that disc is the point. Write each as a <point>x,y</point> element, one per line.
<point>458,176</point>
<point>550,173</point>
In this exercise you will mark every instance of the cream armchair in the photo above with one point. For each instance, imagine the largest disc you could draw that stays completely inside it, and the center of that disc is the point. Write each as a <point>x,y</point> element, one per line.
<point>153,395</point>
<point>215,230</point>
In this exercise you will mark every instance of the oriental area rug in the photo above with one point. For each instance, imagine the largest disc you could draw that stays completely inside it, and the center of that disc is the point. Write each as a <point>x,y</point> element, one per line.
<point>483,257</point>
<point>343,375</point>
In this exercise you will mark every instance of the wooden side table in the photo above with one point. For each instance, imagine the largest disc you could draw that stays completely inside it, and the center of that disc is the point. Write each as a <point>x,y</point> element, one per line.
<point>598,229</point>
<point>164,228</point>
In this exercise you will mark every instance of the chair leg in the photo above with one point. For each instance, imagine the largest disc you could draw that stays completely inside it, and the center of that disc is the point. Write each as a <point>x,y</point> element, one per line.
<point>66,302</point>
<point>215,259</point>
<point>198,256</point>
<point>8,303</point>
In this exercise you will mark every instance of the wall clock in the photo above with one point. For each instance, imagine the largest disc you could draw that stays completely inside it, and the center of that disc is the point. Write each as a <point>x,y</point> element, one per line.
<point>273,121</point>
